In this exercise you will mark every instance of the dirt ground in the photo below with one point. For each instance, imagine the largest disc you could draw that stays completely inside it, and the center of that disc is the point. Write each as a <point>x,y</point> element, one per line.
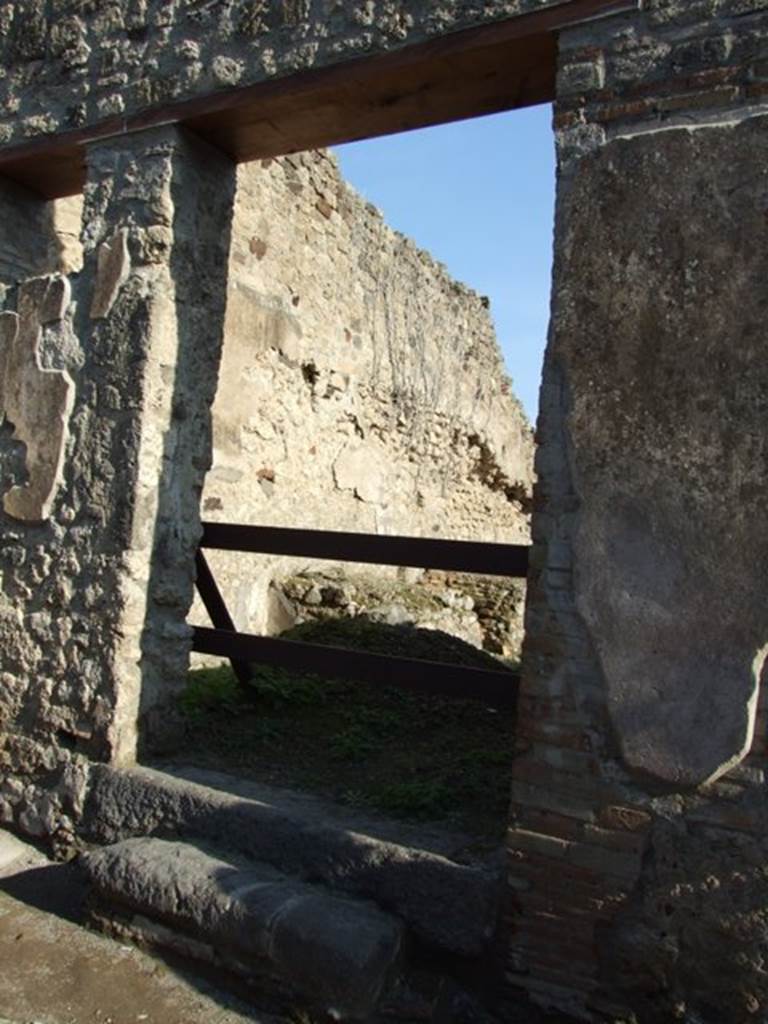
<point>53,971</point>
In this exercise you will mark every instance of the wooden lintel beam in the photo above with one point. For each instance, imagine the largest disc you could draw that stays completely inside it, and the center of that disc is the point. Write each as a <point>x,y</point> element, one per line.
<point>482,70</point>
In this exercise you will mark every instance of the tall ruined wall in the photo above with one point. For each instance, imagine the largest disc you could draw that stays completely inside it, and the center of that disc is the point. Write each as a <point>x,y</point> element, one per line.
<point>80,62</point>
<point>361,387</point>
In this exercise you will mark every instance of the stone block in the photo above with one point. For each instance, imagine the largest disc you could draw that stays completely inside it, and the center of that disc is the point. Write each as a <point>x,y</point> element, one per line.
<point>309,839</point>
<point>336,954</point>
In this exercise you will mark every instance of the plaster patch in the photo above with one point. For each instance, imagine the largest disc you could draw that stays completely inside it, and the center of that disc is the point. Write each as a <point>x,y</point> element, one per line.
<point>361,468</point>
<point>660,337</point>
<point>112,271</point>
<point>37,401</point>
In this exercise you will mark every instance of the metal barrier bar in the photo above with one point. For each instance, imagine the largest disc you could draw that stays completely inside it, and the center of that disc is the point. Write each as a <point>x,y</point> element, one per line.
<point>426,553</point>
<point>217,610</point>
<point>497,689</point>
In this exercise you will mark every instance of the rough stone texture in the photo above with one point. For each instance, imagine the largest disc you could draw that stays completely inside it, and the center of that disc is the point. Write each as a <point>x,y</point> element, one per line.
<point>78,64</point>
<point>303,838</point>
<point>632,888</point>
<point>128,504</point>
<point>335,953</point>
<point>361,387</point>
<point>62,971</point>
<point>673,63</point>
<point>113,267</point>
<point>484,611</point>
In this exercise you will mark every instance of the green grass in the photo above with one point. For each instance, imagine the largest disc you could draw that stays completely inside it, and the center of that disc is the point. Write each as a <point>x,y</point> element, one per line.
<point>383,749</point>
<point>211,690</point>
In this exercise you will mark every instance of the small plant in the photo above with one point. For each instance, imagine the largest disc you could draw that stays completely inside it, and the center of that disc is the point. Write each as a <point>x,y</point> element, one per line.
<point>211,689</point>
<point>416,799</point>
<point>351,744</point>
<point>277,686</point>
<point>378,749</point>
<point>378,720</point>
<point>264,730</point>
<point>485,757</point>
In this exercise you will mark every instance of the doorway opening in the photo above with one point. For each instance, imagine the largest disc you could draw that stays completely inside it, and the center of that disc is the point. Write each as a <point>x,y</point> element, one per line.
<point>363,388</point>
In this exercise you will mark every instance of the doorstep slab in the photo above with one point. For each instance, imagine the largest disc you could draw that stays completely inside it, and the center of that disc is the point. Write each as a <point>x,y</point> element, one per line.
<point>449,906</point>
<point>335,953</point>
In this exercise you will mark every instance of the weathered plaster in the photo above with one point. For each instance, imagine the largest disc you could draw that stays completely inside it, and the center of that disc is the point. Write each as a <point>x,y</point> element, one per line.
<point>648,568</point>
<point>94,599</point>
<point>36,400</point>
<point>112,270</point>
<point>645,624</point>
<point>666,436</point>
<point>157,215</point>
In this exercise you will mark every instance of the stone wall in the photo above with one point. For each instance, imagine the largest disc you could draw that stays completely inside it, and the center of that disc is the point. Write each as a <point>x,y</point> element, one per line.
<point>361,388</point>
<point>638,839</point>
<point>108,368</point>
<point>81,62</point>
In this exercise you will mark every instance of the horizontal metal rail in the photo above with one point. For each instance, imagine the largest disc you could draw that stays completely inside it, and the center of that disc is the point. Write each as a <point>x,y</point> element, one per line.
<point>420,552</point>
<point>497,689</point>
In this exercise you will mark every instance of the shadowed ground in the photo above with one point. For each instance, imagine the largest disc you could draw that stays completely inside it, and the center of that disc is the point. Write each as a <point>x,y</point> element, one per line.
<point>53,971</point>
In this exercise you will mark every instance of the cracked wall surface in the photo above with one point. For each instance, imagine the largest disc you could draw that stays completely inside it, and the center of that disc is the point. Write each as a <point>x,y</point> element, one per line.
<point>35,400</point>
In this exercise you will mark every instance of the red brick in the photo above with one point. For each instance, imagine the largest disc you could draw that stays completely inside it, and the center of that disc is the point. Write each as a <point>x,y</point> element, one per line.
<point>609,839</point>
<point>538,820</point>
<point>623,111</point>
<point>526,795</point>
<point>565,759</point>
<point>567,119</point>
<point>565,876</point>
<point>690,83</point>
<point>556,735</point>
<point>701,101</point>
<point>590,909</point>
<point>585,789</point>
<point>631,819</point>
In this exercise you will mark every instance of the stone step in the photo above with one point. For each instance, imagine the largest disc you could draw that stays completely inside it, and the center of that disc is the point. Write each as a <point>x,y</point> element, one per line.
<point>335,955</point>
<point>447,905</point>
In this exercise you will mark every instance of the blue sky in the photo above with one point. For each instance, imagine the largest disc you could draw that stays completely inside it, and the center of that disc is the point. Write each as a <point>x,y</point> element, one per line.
<point>479,195</point>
